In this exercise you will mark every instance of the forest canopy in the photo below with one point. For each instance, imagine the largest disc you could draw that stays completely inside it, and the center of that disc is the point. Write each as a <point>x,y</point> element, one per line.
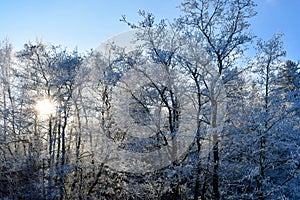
<point>182,113</point>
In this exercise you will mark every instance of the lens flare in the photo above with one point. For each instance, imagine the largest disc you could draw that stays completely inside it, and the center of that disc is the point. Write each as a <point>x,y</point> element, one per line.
<point>45,107</point>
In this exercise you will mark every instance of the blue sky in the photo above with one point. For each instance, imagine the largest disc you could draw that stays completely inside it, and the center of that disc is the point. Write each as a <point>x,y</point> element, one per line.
<point>87,23</point>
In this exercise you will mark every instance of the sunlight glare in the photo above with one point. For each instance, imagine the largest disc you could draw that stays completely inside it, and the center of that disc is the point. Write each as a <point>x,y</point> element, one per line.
<point>45,107</point>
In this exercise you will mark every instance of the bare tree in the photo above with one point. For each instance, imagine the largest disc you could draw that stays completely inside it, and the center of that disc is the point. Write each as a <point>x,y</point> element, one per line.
<point>222,28</point>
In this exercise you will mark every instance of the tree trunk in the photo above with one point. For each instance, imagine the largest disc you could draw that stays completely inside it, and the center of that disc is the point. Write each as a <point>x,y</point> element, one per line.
<point>215,184</point>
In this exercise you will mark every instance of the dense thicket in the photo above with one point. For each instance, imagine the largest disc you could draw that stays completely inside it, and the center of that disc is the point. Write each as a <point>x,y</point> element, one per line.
<point>182,115</point>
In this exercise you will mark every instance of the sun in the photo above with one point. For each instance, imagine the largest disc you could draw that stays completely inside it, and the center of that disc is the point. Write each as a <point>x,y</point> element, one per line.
<point>45,107</point>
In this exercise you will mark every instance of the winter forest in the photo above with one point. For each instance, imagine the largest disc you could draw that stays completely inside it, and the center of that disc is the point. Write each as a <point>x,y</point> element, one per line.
<point>185,114</point>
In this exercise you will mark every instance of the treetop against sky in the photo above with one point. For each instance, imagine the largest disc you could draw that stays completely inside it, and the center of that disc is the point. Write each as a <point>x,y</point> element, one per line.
<point>85,24</point>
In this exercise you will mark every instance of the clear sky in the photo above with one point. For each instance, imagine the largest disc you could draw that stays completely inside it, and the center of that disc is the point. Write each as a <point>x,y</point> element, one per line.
<point>86,23</point>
